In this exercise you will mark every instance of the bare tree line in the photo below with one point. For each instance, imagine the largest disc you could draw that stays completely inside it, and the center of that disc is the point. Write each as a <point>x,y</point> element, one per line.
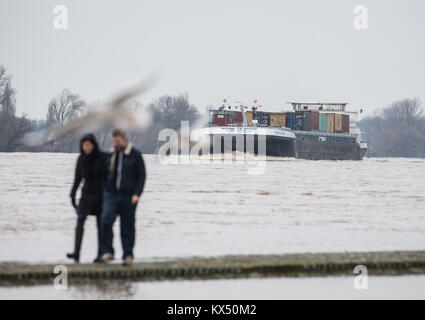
<point>12,128</point>
<point>168,112</point>
<point>396,131</point>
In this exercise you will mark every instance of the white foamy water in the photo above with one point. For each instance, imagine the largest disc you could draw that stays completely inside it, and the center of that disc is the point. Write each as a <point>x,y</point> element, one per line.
<point>218,208</point>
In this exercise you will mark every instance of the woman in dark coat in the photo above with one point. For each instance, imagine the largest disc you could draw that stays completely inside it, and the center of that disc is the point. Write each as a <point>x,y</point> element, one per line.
<point>90,168</point>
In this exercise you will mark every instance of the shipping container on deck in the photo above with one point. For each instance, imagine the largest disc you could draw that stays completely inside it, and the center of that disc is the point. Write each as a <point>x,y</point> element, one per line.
<point>282,119</point>
<point>263,118</point>
<point>238,118</point>
<point>330,123</point>
<point>314,121</point>
<point>264,121</point>
<point>294,120</point>
<point>299,119</point>
<point>338,122</point>
<point>212,113</point>
<point>248,116</point>
<point>310,121</point>
<point>322,122</point>
<point>274,120</point>
<point>345,123</point>
<point>222,119</point>
<point>306,121</point>
<point>277,119</point>
<point>290,120</point>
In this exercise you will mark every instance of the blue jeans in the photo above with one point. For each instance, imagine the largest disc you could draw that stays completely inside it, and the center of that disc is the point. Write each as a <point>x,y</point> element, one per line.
<point>115,204</point>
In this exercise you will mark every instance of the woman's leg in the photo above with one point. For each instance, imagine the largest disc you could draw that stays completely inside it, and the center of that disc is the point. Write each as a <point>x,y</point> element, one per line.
<point>79,231</point>
<point>81,219</point>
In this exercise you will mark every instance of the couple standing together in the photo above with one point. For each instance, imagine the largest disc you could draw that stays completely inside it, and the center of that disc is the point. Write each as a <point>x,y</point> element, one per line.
<point>113,183</point>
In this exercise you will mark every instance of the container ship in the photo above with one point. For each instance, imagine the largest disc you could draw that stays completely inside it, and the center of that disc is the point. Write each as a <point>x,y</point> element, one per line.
<point>316,131</point>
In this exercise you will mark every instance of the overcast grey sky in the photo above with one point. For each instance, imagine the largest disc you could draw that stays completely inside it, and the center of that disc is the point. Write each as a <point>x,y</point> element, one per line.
<point>271,50</point>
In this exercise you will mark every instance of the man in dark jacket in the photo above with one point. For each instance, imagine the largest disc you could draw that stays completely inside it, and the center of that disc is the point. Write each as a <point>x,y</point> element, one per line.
<point>124,185</point>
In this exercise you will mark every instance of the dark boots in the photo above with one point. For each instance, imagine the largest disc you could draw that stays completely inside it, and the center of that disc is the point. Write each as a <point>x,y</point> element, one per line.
<point>78,239</point>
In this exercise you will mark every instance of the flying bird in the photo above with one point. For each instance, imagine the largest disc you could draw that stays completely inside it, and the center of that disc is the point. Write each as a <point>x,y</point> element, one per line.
<point>115,112</point>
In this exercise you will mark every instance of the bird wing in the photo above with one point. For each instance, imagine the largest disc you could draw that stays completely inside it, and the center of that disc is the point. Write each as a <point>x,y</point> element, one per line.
<point>133,90</point>
<point>90,120</point>
<point>114,113</point>
<point>108,115</point>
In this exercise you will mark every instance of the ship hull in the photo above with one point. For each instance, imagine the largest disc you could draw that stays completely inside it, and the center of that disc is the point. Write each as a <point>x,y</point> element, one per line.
<point>285,143</point>
<point>328,150</point>
<point>275,146</point>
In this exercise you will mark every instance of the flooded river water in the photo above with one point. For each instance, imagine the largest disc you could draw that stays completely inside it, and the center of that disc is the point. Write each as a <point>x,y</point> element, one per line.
<point>218,208</point>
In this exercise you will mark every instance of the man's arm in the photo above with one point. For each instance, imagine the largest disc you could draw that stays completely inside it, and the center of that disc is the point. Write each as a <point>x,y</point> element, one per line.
<point>141,175</point>
<point>105,166</point>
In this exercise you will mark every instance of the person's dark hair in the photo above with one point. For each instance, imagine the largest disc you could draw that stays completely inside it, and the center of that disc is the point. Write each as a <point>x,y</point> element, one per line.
<point>119,133</point>
<point>89,137</point>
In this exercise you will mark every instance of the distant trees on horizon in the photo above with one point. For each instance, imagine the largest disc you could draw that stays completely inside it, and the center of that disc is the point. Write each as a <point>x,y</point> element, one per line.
<point>168,111</point>
<point>12,128</point>
<point>394,131</point>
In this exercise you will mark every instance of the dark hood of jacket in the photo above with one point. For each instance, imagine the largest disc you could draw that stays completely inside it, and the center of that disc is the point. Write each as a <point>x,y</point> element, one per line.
<point>89,160</point>
<point>89,137</point>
